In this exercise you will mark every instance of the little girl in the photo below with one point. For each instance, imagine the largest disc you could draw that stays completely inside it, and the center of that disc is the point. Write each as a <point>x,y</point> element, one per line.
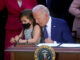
<point>31,31</point>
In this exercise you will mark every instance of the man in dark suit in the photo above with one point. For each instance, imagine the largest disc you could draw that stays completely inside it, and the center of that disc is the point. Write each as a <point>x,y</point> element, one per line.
<point>57,29</point>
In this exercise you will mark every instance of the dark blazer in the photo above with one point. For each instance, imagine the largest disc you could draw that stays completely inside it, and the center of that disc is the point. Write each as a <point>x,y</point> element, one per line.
<point>60,31</point>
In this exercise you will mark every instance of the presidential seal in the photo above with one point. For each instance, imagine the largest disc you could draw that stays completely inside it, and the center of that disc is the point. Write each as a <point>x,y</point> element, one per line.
<point>44,53</point>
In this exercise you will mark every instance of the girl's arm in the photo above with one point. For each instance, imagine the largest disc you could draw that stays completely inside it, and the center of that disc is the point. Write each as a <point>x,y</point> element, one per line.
<point>22,41</point>
<point>20,35</point>
<point>36,34</point>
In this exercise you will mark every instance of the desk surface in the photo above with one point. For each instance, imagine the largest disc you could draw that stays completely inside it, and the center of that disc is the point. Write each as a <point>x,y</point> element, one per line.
<point>23,48</point>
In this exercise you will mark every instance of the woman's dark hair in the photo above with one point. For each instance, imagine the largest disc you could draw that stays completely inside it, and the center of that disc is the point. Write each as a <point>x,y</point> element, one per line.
<point>29,15</point>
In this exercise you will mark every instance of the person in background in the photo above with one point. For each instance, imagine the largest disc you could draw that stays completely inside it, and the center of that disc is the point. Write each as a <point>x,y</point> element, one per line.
<point>75,11</point>
<point>54,29</point>
<point>13,26</point>
<point>31,30</point>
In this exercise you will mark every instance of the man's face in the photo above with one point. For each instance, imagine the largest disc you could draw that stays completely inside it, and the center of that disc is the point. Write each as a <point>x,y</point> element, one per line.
<point>40,18</point>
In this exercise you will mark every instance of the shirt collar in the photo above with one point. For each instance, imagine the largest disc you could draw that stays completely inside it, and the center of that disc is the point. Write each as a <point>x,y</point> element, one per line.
<point>49,21</point>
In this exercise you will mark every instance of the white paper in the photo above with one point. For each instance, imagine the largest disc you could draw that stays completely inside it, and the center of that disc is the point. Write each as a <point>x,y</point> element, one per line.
<point>69,45</point>
<point>49,44</point>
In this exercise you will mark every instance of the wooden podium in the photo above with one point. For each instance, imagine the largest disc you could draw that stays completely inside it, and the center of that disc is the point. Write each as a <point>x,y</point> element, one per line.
<point>23,52</point>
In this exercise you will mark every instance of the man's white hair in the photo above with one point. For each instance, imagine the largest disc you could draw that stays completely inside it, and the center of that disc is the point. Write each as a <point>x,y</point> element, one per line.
<point>41,8</point>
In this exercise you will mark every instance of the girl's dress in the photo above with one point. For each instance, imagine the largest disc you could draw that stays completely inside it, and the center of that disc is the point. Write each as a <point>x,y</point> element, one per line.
<point>28,33</point>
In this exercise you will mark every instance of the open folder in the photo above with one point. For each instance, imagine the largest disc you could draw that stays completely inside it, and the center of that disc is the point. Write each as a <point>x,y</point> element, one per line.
<point>69,45</point>
<point>60,45</point>
<point>49,44</point>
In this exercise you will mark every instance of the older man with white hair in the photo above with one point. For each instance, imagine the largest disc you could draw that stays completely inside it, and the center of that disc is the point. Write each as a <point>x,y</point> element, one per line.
<point>54,29</point>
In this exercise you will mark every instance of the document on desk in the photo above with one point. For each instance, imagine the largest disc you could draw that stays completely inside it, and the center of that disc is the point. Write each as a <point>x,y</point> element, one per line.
<point>69,45</point>
<point>49,44</point>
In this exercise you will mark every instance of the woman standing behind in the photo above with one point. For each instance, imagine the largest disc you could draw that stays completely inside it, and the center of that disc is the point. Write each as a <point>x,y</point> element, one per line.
<point>75,10</point>
<point>13,25</point>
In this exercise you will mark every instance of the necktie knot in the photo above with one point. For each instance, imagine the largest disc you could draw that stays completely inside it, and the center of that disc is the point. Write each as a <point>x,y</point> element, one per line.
<point>45,26</point>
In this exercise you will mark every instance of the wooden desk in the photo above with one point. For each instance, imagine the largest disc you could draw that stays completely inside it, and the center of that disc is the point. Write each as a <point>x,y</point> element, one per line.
<point>27,53</point>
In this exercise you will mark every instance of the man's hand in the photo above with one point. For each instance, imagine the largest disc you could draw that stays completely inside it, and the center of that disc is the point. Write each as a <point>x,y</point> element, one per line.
<point>48,40</point>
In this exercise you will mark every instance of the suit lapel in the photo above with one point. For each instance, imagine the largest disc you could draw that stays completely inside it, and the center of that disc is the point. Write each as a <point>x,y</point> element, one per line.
<point>53,28</point>
<point>18,5</point>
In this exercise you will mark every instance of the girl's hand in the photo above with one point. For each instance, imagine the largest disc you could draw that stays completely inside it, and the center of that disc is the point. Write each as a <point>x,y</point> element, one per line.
<point>12,40</point>
<point>16,38</point>
<point>22,41</point>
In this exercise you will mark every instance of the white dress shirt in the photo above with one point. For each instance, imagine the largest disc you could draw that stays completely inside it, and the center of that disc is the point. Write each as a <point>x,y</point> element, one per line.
<point>20,3</point>
<point>49,28</point>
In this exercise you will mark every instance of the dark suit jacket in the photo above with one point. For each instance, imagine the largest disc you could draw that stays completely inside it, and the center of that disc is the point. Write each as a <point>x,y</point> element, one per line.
<point>60,31</point>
